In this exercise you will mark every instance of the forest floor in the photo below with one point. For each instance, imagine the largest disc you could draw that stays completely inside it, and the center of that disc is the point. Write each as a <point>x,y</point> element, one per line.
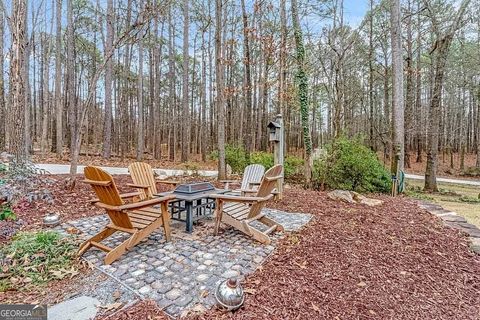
<point>444,166</point>
<point>350,262</point>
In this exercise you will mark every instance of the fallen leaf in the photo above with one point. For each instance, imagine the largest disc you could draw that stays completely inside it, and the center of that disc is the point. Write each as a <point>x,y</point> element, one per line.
<point>112,306</point>
<point>315,307</point>
<point>116,295</point>
<point>250,290</point>
<point>303,265</point>
<point>361,284</point>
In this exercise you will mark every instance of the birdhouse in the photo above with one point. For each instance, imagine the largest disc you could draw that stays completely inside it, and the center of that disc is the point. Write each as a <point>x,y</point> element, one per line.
<point>274,130</point>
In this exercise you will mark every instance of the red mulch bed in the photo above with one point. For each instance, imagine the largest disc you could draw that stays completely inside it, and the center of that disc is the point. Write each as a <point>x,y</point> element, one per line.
<point>393,261</point>
<point>143,310</point>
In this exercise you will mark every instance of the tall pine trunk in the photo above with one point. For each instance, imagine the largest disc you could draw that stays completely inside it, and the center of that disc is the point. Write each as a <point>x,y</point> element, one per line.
<point>302,92</point>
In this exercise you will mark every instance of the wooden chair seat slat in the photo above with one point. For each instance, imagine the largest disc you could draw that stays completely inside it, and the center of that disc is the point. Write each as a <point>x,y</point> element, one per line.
<point>141,216</point>
<point>154,214</point>
<point>232,211</point>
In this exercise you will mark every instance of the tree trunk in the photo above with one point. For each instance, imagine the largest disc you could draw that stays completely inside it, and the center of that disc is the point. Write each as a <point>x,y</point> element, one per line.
<point>107,132</point>
<point>58,82</point>
<point>220,103</point>
<point>397,94</point>
<point>3,122</point>
<point>247,86</point>
<point>185,90</point>
<point>16,113</point>
<point>302,92</point>
<point>442,47</point>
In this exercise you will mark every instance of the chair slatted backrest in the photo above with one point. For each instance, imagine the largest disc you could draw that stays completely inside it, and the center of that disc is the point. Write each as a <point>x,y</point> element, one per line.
<point>107,193</point>
<point>253,174</point>
<point>142,174</point>
<point>268,184</point>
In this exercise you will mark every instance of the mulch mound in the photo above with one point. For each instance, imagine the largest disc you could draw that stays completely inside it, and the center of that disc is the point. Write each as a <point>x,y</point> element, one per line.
<point>394,261</point>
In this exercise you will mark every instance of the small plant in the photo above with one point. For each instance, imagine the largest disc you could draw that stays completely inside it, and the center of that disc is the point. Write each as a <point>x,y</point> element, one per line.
<point>418,194</point>
<point>469,199</point>
<point>193,167</point>
<point>6,212</point>
<point>34,258</point>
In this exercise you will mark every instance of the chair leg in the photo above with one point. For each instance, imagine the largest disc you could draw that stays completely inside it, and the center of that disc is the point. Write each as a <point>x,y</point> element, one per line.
<point>218,216</point>
<point>270,222</point>
<point>105,233</point>
<point>166,221</point>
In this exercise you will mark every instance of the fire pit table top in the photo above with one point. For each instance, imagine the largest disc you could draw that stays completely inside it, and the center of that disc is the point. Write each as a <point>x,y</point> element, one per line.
<point>193,191</point>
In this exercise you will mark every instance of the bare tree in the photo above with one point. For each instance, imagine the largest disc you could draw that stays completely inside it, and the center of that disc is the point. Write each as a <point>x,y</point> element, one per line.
<point>185,110</point>
<point>302,92</point>
<point>107,134</point>
<point>16,113</point>
<point>397,80</point>
<point>220,102</point>
<point>58,81</point>
<point>3,122</point>
<point>439,54</point>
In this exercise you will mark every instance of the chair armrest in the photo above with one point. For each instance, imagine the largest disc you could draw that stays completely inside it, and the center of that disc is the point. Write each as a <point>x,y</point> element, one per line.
<point>136,205</point>
<point>147,203</point>
<point>97,183</point>
<point>248,191</point>
<point>123,196</point>
<point>138,186</point>
<point>174,182</point>
<point>228,181</point>
<point>229,198</point>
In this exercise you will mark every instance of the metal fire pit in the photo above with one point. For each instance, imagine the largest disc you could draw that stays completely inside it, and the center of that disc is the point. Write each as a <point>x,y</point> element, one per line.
<point>192,202</point>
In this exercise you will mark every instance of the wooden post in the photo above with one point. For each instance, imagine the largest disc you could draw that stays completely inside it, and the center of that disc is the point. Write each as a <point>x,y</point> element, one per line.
<point>278,153</point>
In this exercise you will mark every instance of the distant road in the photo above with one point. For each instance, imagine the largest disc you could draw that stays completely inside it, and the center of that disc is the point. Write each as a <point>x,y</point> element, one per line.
<point>65,169</point>
<point>445,180</point>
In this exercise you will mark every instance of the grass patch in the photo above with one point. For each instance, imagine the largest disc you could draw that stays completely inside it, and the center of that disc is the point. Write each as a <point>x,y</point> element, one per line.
<point>35,258</point>
<point>462,199</point>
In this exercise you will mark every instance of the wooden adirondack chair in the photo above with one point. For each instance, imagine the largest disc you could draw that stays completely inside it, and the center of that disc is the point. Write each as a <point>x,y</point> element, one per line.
<point>144,180</point>
<point>240,211</point>
<point>139,219</point>
<point>252,176</point>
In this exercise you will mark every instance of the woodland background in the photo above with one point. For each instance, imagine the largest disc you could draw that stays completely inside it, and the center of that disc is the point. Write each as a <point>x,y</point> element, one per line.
<point>178,80</point>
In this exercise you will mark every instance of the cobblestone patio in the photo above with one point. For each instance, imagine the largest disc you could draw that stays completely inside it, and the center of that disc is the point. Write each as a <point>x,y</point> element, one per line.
<point>183,273</point>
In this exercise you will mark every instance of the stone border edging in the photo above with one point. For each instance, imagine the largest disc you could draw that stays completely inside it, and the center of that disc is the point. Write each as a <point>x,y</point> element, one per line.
<point>453,220</point>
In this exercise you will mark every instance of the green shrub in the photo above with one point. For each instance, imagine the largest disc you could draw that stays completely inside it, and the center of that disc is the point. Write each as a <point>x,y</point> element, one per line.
<point>350,165</point>
<point>263,158</point>
<point>235,157</point>
<point>36,258</point>
<point>293,165</point>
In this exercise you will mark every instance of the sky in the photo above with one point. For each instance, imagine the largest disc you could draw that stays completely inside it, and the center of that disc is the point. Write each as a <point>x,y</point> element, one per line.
<point>355,10</point>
